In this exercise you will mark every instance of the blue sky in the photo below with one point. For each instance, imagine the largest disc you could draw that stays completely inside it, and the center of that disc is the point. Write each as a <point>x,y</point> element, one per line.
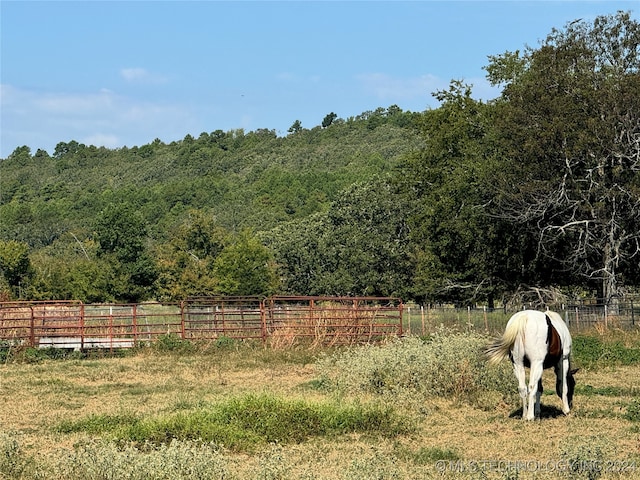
<point>121,73</point>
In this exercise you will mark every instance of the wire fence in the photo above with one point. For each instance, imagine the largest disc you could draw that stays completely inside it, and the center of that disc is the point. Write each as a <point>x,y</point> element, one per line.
<point>424,320</point>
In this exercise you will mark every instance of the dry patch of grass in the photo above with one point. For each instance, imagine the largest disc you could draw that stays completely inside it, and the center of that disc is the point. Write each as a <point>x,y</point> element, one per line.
<point>449,435</point>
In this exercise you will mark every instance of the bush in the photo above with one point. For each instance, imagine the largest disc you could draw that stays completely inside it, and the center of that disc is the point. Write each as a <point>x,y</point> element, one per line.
<point>444,365</point>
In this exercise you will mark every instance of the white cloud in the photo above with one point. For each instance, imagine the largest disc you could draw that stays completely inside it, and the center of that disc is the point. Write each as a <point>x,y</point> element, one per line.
<point>141,75</point>
<point>102,139</point>
<point>391,88</point>
<point>102,118</point>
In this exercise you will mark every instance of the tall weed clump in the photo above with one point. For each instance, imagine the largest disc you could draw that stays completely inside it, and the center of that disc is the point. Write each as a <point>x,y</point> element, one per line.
<point>447,364</point>
<point>14,464</point>
<point>179,460</point>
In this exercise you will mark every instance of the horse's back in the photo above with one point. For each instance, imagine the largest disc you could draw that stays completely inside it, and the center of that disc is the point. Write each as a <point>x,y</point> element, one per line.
<point>562,329</point>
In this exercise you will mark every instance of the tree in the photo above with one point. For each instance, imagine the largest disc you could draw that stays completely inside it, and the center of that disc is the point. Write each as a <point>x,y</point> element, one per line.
<point>186,261</point>
<point>121,234</point>
<point>360,246</point>
<point>328,119</point>
<point>245,267</point>
<point>296,127</point>
<point>15,266</point>
<point>461,253</point>
<point>570,122</point>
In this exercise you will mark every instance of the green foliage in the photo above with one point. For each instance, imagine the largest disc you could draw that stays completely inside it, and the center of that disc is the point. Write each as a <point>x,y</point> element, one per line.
<point>446,364</point>
<point>166,211</point>
<point>172,343</point>
<point>456,244</point>
<point>15,266</point>
<point>244,423</point>
<point>245,267</point>
<point>537,190</point>
<point>360,246</point>
<point>121,234</point>
<point>591,352</point>
<point>633,411</point>
<point>564,121</point>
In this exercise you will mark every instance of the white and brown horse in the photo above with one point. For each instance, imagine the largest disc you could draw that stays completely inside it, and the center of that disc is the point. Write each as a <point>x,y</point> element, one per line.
<point>537,340</point>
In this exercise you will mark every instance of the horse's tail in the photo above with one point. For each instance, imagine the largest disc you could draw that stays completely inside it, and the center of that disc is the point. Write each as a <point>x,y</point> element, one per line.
<point>499,349</point>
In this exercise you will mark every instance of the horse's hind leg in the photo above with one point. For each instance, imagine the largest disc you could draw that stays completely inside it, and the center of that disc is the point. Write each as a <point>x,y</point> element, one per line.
<point>520,373</point>
<point>535,375</point>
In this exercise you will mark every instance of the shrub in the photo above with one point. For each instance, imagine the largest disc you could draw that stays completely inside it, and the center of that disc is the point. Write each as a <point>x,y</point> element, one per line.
<point>444,365</point>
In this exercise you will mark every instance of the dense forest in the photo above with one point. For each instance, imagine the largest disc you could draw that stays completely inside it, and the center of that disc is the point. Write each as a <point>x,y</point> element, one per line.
<point>534,195</point>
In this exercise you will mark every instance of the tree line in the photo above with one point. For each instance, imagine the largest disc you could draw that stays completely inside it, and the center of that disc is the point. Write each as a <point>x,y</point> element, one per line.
<point>533,194</point>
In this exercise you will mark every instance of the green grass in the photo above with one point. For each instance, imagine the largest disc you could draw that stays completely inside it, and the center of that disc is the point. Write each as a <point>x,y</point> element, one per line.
<point>243,423</point>
<point>595,352</point>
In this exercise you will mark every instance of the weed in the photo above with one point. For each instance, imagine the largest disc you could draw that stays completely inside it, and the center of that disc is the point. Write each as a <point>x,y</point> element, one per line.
<point>584,457</point>
<point>373,465</point>
<point>172,343</point>
<point>445,365</point>
<point>178,460</point>
<point>633,411</point>
<point>273,465</point>
<point>13,463</point>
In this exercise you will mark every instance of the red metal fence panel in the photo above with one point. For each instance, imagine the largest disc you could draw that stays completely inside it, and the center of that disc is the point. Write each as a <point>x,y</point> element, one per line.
<point>277,320</point>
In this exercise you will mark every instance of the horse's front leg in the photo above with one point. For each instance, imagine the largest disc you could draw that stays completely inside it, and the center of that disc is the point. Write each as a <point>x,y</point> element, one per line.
<point>538,396</point>
<point>535,375</point>
<point>518,369</point>
<point>561,374</point>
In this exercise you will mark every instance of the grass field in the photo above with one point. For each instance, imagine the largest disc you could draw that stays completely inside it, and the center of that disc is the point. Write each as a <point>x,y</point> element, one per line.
<point>410,409</point>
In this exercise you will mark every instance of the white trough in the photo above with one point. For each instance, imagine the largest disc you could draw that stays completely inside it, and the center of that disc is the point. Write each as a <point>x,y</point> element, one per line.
<point>78,343</point>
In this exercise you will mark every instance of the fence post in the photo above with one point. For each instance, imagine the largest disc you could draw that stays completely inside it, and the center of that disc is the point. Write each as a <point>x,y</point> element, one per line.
<point>422,318</point>
<point>82,326</point>
<point>263,317</point>
<point>32,326</point>
<point>633,320</point>
<point>182,322</point>
<point>486,322</point>
<point>134,321</point>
